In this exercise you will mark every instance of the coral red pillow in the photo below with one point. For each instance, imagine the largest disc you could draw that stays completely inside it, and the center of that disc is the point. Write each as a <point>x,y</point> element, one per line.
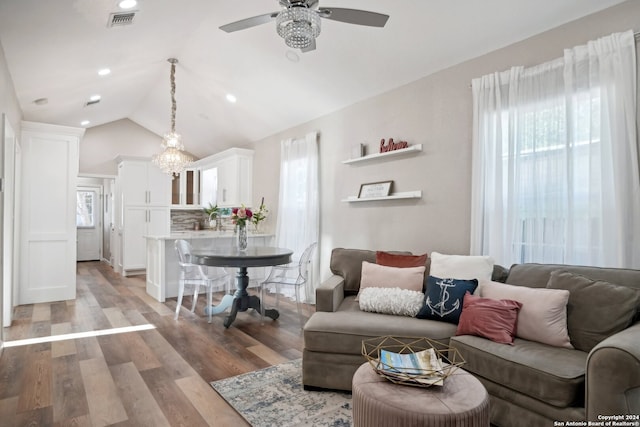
<point>401,261</point>
<point>488,318</point>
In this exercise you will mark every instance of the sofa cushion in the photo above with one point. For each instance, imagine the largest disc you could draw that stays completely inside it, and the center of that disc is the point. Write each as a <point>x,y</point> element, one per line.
<point>443,298</point>
<point>596,309</point>
<point>402,261</point>
<point>347,263</point>
<point>543,316</point>
<point>342,331</point>
<point>380,276</point>
<point>550,374</point>
<point>537,275</point>
<point>492,319</point>
<point>396,301</point>
<point>461,266</point>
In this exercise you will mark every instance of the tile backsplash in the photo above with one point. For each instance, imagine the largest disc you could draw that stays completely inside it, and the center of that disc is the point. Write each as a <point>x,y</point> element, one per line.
<point>182,220</point>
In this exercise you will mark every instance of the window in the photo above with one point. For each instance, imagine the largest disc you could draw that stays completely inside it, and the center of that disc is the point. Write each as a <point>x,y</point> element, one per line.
<point>555,160</point>
<point>298,220</point>
<point>85,207</point>
<point>553,180</point>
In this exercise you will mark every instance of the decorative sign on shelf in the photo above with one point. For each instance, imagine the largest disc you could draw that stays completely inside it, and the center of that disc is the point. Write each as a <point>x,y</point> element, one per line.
<point>392,146</point>
<point>375,189</point>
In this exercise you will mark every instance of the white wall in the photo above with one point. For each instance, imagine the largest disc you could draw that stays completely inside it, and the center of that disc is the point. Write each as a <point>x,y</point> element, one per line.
<point>435,111</point>
<point>102,144</point>
<point>8,99</point>
<point>8,106</point>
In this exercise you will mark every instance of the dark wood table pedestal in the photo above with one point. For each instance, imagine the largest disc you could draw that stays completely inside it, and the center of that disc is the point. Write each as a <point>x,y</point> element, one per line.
<point>260,256</point>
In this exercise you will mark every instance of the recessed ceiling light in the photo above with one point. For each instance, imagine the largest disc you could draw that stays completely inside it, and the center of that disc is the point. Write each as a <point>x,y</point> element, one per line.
<point>95,98</point>
<point>84,122</point>
<point>231,98</point>
<point>292,56</point>
<point>104,72</point>
<point>127,4</point>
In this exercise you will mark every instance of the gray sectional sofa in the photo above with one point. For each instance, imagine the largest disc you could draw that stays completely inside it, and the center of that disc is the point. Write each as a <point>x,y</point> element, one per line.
<point>529,383</point>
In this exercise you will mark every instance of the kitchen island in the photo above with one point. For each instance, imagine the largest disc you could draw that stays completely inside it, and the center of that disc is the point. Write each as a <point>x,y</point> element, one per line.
<point>162,260</point>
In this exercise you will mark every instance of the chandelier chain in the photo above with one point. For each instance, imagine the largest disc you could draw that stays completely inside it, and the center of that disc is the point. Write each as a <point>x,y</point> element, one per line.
<point>172,160</point>
<point>172,79</point>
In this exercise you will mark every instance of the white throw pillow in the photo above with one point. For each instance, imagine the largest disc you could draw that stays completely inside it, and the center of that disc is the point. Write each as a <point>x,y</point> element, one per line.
<point>400,302</point>
<point>543,316</point>
<point>380,276</point>
<point>465,267</point>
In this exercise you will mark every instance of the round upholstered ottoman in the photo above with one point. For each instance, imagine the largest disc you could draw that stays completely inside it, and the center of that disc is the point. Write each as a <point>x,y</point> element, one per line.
<point>377,402</point>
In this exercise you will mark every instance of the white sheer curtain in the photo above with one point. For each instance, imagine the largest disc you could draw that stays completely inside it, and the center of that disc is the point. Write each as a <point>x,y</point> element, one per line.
<point>555,159</point>
<point>299,204</point>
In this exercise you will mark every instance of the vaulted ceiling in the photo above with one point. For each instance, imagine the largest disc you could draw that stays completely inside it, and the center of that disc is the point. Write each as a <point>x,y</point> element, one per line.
<point>54,49</point>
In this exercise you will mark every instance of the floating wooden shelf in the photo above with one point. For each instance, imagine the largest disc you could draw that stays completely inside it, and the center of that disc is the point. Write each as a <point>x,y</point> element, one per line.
<point>395,196</point>
<point>412,149</point>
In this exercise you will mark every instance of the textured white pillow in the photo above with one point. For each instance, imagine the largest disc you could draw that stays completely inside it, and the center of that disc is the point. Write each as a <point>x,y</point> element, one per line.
<point>464,267</point>
<point>543,316</point>
<point>380,276</point>
<point>401,302</point>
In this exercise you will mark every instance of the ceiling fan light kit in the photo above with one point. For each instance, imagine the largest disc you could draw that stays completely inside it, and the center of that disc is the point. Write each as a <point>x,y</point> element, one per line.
<point>298,23</point>
<point>298,26</point>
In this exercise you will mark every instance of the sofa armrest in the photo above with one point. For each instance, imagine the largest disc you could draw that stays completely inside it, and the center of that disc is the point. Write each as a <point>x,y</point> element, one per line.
<point>613,375</point>
<point>330,294</point>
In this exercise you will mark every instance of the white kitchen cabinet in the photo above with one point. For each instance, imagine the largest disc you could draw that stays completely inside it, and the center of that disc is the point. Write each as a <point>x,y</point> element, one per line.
<point>140,221</point>
<point>227,178</point>
<point>185,190</point>
<point>143,197</point>
<point>144,184</point>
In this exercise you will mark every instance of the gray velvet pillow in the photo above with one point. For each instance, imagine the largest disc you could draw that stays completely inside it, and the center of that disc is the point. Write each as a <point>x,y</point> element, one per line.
<point>596,309</point>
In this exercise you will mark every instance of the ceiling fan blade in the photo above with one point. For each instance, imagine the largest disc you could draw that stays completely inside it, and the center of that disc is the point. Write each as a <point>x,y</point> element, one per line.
<point>243,24</point>
<point>354,16</point>
<point>309,48</point>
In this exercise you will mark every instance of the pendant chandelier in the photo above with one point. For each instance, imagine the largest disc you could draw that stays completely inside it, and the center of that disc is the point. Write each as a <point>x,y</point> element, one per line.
<point>173,159</point>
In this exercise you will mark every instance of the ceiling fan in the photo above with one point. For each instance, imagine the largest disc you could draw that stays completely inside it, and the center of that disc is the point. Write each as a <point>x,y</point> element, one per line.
<point>298,23</point>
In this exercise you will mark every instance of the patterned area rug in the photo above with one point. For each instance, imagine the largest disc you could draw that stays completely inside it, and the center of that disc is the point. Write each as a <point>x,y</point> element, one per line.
<point>274,397</point>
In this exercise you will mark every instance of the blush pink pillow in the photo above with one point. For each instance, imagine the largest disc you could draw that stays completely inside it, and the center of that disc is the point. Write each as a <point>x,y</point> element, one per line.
<point>492,319</point>
<point>380,276</point>
<point>543,316</point>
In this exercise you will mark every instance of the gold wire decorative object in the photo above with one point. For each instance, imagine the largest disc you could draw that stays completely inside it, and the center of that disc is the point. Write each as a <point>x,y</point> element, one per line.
<point>450,357</point>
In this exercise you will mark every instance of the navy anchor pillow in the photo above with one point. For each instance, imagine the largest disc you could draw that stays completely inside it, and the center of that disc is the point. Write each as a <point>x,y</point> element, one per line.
<point>443,298</point>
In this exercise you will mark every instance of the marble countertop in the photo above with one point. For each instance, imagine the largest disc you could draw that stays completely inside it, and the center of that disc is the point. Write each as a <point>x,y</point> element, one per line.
<point>203,234</point>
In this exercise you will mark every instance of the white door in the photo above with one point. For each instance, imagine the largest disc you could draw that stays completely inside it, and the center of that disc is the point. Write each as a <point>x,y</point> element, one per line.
<point>48,227</point>
<point>89,223</point>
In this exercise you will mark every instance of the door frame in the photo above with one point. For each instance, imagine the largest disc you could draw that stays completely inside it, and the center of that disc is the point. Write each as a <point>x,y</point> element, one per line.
<point>10,221</point>
<point>98,213</point>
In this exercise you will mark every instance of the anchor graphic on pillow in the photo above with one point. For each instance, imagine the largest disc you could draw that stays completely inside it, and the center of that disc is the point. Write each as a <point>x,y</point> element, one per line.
<point>440,307</point>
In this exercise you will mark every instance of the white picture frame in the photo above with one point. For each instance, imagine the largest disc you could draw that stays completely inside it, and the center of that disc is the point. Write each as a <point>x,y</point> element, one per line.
<point>375,189</point>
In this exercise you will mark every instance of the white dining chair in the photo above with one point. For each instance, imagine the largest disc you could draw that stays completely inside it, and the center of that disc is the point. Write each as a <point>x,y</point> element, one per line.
<point>198,276</point>
<point>294,274</point>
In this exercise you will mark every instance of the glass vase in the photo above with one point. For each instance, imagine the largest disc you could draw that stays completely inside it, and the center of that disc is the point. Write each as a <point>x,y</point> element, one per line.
<point>242,237</point>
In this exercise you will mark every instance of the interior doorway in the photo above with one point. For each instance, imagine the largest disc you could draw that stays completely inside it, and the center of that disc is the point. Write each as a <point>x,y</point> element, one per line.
<point>89,223</point>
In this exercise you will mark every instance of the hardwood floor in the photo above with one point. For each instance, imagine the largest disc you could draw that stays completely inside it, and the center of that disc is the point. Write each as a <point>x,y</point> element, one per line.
<point>157,375</point>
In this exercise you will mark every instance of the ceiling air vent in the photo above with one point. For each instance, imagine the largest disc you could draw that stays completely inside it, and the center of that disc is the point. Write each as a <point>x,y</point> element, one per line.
<point>121,18</point>
<point>89,103</point>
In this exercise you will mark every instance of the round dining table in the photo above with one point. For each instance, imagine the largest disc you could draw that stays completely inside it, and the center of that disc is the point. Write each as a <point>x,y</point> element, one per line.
<point>254,256</point>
